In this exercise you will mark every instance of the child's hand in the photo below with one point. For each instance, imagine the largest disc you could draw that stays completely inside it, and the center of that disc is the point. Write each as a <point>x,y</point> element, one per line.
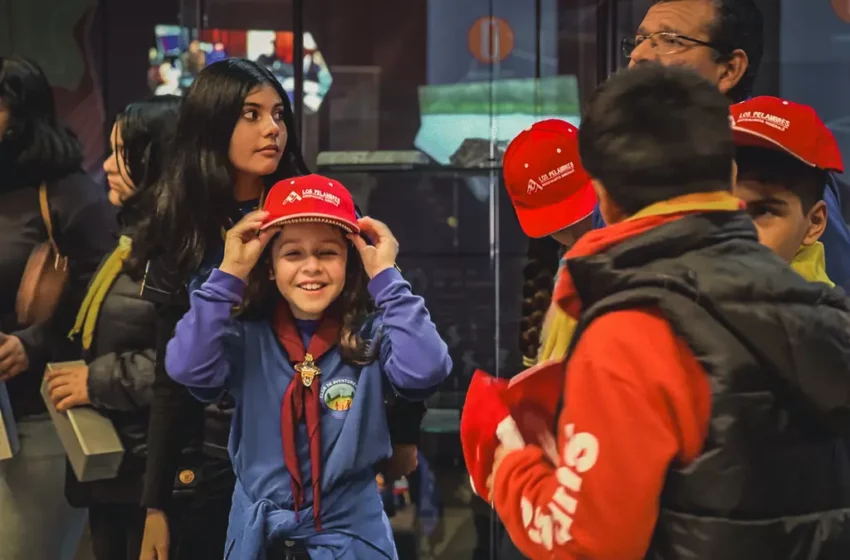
<point>156,539</point>
<point>243,246</point>
<point>382,255</point>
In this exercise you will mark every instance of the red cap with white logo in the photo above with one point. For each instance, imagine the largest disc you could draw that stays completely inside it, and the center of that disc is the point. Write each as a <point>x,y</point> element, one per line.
<point>482,415</point>
<point>549,188</point>
<point>777,124</point>
<point>311,198</point>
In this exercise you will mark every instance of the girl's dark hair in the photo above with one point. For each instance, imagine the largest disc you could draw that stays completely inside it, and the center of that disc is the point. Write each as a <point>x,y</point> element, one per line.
<point>35,147</point>
<point>538,282</point>
<point>195,197</point>
<point>354,304</point>
<point>147,131</point>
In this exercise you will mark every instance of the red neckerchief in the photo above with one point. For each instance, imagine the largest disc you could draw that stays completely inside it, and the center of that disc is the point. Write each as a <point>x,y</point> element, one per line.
<point>302,400</point>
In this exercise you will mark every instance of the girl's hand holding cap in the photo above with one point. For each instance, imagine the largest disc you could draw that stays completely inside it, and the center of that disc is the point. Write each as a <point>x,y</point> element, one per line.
<point>243,245</point>
<point>380,256</point>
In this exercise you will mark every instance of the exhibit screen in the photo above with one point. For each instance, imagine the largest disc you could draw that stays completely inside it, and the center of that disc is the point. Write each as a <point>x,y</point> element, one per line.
<point>178,57</point>
<point>459,121</point>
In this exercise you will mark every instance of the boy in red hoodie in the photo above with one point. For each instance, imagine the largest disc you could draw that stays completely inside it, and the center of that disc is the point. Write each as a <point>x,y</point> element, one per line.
<point>706,390</point>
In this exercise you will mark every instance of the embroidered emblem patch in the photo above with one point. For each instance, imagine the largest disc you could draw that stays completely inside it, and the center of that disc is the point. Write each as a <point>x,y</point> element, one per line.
<point>337,395</point>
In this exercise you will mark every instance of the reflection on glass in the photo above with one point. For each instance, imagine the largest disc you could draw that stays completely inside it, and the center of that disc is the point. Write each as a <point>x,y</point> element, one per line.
<point>177,59</point>
<point>459,120</point>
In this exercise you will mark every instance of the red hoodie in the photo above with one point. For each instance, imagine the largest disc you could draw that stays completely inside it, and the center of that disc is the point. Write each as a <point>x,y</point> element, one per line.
<point>635,402</point>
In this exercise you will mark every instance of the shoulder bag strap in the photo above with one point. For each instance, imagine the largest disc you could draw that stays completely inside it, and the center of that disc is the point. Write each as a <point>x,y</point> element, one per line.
<point>45,216</point>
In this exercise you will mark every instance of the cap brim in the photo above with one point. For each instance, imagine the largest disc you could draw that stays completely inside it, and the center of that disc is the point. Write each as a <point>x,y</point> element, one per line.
<point>312,218</point>
<point>746,137</point>
<point>540,222</point>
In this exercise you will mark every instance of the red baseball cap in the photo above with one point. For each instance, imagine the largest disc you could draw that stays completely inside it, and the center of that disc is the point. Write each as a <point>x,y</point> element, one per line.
<point>549,188</point>
<point>770,122</point>
<point>482,415</point>
<point>310,198</point>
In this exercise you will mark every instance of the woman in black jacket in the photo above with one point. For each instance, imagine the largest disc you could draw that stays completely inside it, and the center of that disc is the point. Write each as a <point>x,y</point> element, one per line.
<point>116,328</point>
<point>36,521</point>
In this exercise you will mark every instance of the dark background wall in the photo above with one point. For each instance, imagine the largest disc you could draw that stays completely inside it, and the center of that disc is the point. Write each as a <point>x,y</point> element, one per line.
<point>96,51</point>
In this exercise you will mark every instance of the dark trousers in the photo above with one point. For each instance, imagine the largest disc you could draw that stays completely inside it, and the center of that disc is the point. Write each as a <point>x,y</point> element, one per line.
<point>199,521</point>
<point>116,531</point>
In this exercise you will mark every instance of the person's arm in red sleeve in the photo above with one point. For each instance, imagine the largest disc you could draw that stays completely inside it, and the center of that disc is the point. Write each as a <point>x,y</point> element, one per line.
<point>635,401</point>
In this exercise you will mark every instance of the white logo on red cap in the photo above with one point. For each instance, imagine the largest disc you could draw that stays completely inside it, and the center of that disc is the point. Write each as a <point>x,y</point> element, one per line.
<point>321,195</point>
<point>293,197</point>
<point>312,193</point>
<point>764,118</point>
<point>548,178</point>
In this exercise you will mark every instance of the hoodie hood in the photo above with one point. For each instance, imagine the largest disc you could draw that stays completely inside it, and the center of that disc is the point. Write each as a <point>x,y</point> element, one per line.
<point>810,263</point>
<point>599,240</point>
<point>758,309</point>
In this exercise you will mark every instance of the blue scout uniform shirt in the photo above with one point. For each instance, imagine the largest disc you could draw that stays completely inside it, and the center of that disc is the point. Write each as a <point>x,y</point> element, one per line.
<point>212,351</point>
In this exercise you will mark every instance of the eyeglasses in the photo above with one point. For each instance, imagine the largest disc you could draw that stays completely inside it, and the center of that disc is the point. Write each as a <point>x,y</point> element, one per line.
<point>663,43</point>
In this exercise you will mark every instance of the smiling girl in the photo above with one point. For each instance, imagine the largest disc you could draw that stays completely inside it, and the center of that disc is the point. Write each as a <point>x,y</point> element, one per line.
<point>309,369</point>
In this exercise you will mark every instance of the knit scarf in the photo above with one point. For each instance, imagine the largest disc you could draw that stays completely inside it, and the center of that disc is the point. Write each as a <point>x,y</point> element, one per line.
<point>301,399</point>
<point>99,287</point>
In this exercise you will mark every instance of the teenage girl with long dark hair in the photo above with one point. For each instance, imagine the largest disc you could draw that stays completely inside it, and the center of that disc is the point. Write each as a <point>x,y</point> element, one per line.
<point>235,138</point>
<point>116,330</point>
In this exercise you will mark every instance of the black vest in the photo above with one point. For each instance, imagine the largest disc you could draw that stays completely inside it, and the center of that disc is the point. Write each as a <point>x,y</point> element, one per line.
<point>773,479</point>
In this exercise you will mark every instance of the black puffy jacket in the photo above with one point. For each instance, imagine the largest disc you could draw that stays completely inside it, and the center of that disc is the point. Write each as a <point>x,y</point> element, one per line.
<point>773,480</point>
<point>121,362</point>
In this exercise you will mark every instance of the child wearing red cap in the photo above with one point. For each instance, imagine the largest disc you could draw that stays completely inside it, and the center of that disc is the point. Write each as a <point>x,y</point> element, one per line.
<point>785,154</point>
<point>553,198</point>
<point>309,366</point>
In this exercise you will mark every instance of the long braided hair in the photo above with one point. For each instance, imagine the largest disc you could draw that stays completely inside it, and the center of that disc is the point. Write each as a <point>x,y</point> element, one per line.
<point>538,282</point>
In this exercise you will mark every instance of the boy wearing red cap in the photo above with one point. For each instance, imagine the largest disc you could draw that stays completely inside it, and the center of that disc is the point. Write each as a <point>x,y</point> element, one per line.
<point>553,197</point>
<point>785,154</point>
<point>309,366</point>
<point>705,397</point>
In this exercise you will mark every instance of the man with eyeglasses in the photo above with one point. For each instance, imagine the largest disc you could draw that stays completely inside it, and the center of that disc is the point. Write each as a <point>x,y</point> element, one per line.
<point>723,41</point>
